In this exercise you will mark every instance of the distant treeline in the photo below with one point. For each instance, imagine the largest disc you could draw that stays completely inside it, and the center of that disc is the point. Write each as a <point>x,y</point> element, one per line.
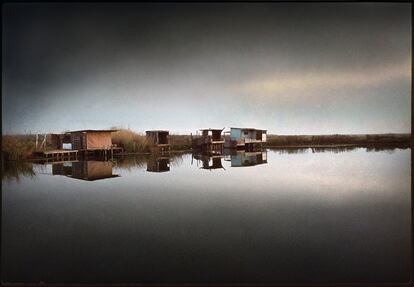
<point>327,140</point>
<point>18,147</point>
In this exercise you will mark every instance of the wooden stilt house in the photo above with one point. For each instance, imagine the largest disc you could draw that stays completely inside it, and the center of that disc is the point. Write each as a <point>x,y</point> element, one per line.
<point>208,140</point>
<point>244,138</point>
<point>159,140</point>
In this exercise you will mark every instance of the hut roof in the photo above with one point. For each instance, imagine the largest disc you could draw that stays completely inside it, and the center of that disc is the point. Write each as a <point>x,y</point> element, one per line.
<point>91,131</point>
<point>250,129</point>
<point>211,129</point>
<point>157,131</point>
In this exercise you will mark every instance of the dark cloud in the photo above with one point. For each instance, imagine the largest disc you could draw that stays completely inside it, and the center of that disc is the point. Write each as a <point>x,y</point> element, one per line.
<point>53,50</point>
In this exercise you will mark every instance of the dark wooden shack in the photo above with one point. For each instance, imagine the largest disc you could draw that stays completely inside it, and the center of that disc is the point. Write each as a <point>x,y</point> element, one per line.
<point>209,139</point>
<point>158,140</point>
<point>57,141</point>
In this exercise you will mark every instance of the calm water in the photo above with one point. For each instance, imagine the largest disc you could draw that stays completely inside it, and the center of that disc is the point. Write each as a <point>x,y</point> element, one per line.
<point>297,216</point>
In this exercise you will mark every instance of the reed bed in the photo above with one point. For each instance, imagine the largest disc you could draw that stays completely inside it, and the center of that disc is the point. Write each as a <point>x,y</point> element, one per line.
<point>180,142</point>
<point>20,147</point>
<point>322,140</point>
<point>131,141</point>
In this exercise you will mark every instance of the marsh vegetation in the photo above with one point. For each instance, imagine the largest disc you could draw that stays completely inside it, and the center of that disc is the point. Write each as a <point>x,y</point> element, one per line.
<point>20,147</point>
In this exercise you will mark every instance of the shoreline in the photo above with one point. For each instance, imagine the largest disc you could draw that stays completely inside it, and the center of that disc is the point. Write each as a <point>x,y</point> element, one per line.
<point>115,156</point>
<point>296,146</point>
<point>22,148</point>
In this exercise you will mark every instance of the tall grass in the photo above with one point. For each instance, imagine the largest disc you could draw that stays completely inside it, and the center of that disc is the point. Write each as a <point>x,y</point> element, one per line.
<point>309,140</point>
<point>131,141</point>
<point>180,142</point>
<point>17,147</point>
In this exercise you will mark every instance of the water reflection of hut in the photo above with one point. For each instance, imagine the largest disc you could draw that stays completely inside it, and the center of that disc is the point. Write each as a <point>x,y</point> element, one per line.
<point>244,138</point>
<point>62,168</point>
<point>158,140</point>
<point>85,170</point>
<point>242,158</point>
<point>209,161</point>
<point>209,139</point>
<point>158,164</point>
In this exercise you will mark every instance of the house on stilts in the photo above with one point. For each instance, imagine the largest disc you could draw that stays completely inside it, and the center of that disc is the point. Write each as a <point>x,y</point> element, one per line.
<point>80,144</point>
<point>208,140</point>
<point>158,140</point>
<point>244,138</point>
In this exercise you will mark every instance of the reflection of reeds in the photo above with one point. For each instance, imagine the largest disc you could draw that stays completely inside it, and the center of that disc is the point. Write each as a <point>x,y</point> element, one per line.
<point>378,149</point>
<point>333,149</point>
<point>13,170</point>
<point>289,150</point>
<point>129,162</point>
<point>338,149</point>
<point>176,160</point>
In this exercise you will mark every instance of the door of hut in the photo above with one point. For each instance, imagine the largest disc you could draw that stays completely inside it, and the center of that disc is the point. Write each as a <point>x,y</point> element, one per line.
<point>259,135</point>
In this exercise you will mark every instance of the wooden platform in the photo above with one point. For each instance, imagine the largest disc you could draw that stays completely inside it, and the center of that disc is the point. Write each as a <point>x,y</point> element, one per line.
<point>69,155</point>
<point>244,145</point>
<point>61,155</point>
<point>207,144</point>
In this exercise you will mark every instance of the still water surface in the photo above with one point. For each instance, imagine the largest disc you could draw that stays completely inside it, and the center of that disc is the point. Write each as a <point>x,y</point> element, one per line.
<point>298,216</point>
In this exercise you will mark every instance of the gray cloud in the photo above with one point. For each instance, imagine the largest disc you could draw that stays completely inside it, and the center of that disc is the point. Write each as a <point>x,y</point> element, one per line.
<point>185,66</point>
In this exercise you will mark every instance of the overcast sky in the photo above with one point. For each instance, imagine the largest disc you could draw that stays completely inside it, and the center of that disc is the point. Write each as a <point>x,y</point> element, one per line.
<point>290,68</point>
